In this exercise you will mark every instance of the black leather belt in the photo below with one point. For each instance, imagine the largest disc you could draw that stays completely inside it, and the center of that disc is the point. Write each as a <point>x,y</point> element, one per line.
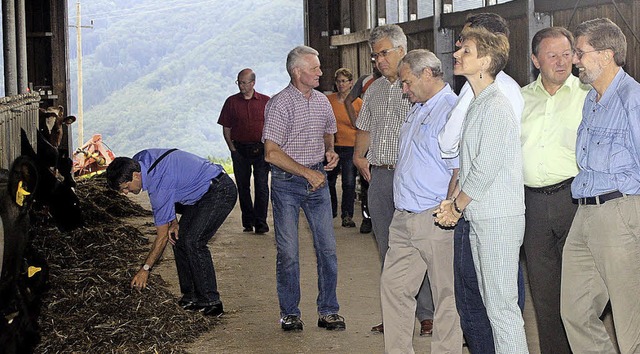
<point>552,189</point>
<point>600,199</point>
<point>386,167</point>
<point>216,179</point>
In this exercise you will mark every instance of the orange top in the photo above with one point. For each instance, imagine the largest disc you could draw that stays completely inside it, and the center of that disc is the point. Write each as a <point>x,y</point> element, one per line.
<point>346,135</point>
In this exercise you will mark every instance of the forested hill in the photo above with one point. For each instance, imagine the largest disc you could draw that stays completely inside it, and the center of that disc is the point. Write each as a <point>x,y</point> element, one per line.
<point>156,73</point>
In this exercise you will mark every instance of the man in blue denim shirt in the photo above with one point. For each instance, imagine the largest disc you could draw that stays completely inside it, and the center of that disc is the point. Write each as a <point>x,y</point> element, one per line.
<point>207,195</point>
<point>601,255</point>
<point>298,137</point>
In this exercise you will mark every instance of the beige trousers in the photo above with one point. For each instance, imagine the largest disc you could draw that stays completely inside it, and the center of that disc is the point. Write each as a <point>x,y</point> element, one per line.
<point>418,246</point>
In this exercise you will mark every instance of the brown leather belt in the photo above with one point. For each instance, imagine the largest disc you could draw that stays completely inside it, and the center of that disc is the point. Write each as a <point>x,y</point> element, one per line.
<point>386,167</point>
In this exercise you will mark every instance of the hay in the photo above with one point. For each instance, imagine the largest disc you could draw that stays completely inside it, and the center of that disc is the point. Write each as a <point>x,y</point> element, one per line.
<point>90,307</point>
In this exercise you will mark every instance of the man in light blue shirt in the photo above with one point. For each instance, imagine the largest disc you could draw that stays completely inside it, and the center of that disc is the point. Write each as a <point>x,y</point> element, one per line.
<point>417,246</point>
<point>601,260</point>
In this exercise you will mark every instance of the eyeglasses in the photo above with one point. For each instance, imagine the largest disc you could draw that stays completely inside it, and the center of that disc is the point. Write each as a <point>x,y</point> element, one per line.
<point>383,53</point>
<point>342,81</point>
<point>580,53</point>
<point>238,82</point>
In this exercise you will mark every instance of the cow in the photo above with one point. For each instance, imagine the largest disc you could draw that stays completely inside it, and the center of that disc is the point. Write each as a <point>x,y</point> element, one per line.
<point>59,197</point>
<point>50,124</point>
<point>19,305</point>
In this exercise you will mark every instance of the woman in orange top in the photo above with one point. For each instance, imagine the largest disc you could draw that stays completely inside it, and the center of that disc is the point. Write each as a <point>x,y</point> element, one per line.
<point>345,139</point>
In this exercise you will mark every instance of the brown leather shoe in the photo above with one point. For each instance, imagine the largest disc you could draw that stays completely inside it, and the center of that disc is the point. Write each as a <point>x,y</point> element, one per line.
<point>378,328</point>
<point>426,328</point>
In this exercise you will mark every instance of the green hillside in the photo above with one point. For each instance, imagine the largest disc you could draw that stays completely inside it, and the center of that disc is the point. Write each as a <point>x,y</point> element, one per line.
<point>156,73</point>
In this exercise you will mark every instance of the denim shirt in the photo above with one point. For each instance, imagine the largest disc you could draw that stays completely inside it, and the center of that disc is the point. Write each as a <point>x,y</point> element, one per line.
<point>608,144</point>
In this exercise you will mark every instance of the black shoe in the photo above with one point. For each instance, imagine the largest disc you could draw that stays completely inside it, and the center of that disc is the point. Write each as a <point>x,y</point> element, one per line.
<point>248,229</point>
<point>212,310</point>
<point>347,222</point>
<point>365,227</point>
<point>333,322</point>
<point>188,305</point>
<point>291,323</point>
<point>262,229</point>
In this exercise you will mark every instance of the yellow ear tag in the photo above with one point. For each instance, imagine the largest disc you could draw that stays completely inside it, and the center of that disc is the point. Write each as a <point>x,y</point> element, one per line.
<point>31,271</point>
<point>20,194</point>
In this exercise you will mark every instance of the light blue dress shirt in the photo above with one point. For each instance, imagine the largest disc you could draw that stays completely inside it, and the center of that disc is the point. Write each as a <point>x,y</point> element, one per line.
<point>422,176</point>
<point>608,145</point>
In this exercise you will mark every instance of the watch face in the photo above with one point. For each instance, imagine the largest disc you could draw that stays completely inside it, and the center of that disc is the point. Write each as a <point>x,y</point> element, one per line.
<point>146,267</point>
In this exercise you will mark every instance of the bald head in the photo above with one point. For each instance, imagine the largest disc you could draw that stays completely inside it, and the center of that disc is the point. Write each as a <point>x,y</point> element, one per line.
<point>246,81</point>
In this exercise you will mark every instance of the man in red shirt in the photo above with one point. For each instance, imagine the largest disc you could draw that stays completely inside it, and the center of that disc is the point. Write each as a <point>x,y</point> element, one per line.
<point>242,118</point>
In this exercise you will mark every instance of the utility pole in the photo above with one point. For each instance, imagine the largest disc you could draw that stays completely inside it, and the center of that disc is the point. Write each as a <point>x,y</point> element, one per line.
<point>79,27</point>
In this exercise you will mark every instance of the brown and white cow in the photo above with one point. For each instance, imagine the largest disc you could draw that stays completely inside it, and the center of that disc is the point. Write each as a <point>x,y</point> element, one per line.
<point>51,121</point>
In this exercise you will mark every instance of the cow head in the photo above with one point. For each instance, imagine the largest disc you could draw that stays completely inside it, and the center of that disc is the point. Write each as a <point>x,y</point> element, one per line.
<point>51,121</point>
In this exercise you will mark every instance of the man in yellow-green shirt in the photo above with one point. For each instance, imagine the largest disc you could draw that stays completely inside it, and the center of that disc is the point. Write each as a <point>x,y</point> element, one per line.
<point>552,112</point>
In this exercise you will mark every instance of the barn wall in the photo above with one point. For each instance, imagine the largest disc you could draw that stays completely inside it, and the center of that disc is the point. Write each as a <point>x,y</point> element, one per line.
<point>420,33</point>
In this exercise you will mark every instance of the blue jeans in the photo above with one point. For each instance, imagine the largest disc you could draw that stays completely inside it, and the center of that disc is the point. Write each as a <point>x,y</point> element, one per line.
<point>473,315</point>
<point>254,213</point>
<point>198,224</point>
<point>345,165</point>
<point>289,193</point>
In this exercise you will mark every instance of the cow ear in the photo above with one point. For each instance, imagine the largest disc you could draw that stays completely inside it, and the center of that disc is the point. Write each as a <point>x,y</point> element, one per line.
<point>60,111</point>
<point>23,180</point>
<point>25,146</point>
<point>69,120</point>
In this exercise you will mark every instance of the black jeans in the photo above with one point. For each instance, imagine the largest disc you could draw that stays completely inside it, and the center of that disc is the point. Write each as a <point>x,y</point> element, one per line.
<point>198,225</point>
<point>348,169</point>
<point>245,158</point>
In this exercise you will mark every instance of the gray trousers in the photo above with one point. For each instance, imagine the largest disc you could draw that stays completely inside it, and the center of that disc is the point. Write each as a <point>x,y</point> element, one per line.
<point>548,219</point>
<point>382,208</point>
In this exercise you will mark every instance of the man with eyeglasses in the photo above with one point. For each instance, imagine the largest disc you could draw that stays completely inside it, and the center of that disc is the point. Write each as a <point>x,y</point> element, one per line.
<point>416,244</point>
<point>601,260</point>
<point>383,111</point>
<point>552,113</point>
<point>242,118</point>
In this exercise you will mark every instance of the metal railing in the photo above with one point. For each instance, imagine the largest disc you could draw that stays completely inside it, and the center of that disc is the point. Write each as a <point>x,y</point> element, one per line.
<point>17,112</point>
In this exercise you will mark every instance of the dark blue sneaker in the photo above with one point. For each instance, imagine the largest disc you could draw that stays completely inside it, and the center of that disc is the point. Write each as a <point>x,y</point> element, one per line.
<point>291,323</point>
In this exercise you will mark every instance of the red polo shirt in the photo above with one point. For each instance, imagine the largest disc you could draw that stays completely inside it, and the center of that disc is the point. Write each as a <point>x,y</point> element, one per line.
<point>244,117</point>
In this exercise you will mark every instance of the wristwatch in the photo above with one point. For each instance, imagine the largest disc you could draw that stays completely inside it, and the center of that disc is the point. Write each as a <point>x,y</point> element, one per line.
<point>146,267</point>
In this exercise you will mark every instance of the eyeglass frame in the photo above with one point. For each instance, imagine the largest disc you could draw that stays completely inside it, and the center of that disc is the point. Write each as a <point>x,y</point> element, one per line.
<point>578,53</point>
<point>384,53</point>
<point>238,82</point>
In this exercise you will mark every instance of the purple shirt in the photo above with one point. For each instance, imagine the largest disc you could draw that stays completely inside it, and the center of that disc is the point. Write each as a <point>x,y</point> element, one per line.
<point>297,124</point>
<point>180,177</point>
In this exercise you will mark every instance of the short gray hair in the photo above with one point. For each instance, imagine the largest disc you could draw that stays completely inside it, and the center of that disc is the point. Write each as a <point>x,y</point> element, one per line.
<point>392,32</point>
<point>295,57</point>
<point>420,59</point>
<point>601,34</point>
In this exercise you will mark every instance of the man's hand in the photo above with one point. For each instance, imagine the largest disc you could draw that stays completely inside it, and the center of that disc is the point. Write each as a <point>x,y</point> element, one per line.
<point>173,232</point>
<point>362,164</point>
<point>316,179</point>
<point>332,160</point>
<point>139,281</point>
<point>446,215</point>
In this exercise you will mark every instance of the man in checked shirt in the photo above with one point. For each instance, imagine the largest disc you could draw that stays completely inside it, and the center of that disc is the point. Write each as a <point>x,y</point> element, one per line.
<point>381,116</point>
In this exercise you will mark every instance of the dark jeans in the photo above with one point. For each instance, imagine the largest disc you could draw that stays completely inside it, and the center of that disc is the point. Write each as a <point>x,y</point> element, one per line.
<point>345,165</point>
<point>473,315</point>
<point>244,160</point>
<point>198,224</point>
